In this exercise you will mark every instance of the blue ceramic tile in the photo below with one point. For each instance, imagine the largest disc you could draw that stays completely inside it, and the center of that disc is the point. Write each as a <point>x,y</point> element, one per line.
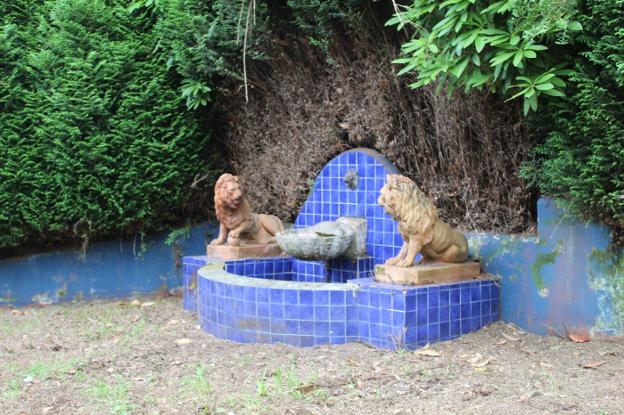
<point>306,327</point>
<point>375,331</point>
<point>352,329</point>
<point>321,328</point>
<point>455,296</point>
<point>364,314</point>
<point>465,310</point>
<point>475,308</point>
<point>291,297</point>
<point>398,301</point>
<point>433,315</point>
<point>276,296</point>
<point>337,297</point>
<point>277,311</point>
<point>375,315</point>
<point>455,312</point>
<point>291,312</point>
<point>321,298</point>
<point>262,295</point>
<point>385,301</point>
<point>321,313</point>
<point>466,325</point>
<point>337,329</point>
<point>386,316</point>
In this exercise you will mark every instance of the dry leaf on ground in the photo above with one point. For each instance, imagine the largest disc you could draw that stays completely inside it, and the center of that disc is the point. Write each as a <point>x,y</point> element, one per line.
<point>594,364</point>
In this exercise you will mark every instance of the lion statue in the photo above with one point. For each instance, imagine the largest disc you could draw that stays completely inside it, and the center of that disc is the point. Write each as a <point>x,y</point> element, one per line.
<point>419,224</point>
<point>237,223</point>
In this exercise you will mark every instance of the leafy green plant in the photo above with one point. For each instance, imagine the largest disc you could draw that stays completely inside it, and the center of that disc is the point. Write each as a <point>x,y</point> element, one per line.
<point>479,44</point>
<point>581,161</point>
<point>96,139</point>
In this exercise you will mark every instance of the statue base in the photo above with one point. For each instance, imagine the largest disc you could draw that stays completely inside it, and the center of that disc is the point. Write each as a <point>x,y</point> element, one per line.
<point>427,273</point>
<point>244,251</point>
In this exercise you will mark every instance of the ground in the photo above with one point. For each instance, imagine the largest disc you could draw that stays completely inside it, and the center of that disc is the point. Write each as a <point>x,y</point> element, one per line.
<point>148,356</point>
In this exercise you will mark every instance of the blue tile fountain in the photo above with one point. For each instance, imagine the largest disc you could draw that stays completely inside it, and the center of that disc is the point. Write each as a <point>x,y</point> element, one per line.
<point>308,302</point>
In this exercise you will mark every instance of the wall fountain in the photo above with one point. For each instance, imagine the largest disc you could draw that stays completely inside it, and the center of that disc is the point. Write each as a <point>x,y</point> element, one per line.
<point>333,283</point>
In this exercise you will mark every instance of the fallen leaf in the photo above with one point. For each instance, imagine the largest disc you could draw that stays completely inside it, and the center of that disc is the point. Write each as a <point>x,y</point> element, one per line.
<point>46,409</point>
<point>352,362</point>
<point>544,364</point>
<point>579,335</point>
<point>428,352</point>
<point>508,337</point>
<point>482,363</point>
<point>594,365</point>
<point>501,342</point>
<point>181,342</point>
<point>310,387</point>
<point>529,396</point>
<point>475,359</point>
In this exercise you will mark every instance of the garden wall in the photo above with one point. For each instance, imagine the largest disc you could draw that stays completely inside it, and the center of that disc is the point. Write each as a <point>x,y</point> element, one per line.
<point>113,269</point>
<point>564,278</point>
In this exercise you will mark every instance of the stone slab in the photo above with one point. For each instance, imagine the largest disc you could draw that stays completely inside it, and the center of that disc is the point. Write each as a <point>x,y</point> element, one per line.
<point>427,273</point>
<point>244,251</point>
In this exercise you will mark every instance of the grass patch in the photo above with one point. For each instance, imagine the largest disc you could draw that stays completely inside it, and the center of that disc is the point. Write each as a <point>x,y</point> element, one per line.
<point>112,396</point>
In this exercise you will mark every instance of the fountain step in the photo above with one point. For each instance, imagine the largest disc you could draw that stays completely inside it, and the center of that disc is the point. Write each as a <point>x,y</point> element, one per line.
<point>428,273</point>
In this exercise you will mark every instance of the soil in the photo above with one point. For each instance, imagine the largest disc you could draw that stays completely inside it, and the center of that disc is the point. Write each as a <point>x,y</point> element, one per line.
<point>148,356</point>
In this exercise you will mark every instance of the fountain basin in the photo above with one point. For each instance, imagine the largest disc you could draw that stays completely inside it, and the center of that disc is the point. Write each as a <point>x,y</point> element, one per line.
<point>326,240</point>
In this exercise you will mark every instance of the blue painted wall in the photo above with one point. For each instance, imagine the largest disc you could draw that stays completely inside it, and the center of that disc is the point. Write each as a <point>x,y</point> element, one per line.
<point>109,269</point>
<point>564,278</point>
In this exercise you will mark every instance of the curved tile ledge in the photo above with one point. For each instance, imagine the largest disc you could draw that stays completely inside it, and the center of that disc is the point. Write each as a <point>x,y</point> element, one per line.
<point>258,310</point>
<point>254,310</point>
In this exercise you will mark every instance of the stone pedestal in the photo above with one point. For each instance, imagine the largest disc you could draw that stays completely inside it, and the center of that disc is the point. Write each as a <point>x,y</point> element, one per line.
<point>244,251</point>
<point>427,273</point>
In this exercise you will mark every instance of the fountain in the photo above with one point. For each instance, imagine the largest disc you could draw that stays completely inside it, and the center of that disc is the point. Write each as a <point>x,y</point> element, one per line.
<point>322,290</point>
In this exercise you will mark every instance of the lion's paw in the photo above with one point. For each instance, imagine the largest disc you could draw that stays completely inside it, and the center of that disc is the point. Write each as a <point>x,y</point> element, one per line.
<point>391,261</point>
<point>404,263</point>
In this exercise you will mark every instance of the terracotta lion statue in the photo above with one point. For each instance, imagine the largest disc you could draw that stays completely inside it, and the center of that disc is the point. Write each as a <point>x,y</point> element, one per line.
<point>237,223</point>
<point>419,224</point>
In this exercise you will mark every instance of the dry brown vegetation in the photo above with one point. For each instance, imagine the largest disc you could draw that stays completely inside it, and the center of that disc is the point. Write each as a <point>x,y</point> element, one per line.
<point>307,105</point>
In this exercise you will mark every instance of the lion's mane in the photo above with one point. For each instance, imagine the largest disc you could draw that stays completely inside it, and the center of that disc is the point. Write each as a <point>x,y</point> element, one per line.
<point>222,211</point>
<point>413,210</point>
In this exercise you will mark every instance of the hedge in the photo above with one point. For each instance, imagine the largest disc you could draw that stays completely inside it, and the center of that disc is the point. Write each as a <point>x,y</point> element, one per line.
<point>96,139</point>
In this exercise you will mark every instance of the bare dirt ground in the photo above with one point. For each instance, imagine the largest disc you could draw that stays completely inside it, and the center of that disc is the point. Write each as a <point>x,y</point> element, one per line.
<point>148,356</point>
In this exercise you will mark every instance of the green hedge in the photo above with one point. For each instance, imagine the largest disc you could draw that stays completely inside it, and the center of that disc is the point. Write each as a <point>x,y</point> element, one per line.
<point>582,159</point>
<point>96,138</point>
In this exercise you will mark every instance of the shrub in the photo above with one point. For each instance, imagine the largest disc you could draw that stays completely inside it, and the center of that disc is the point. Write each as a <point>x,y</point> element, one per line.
<point>582,159</point>
<point>509,46</point>
<point>95,137</point>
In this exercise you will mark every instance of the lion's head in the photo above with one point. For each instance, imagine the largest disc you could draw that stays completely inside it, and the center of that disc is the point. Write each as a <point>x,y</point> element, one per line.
<point>228,194</point>
<point>402,199</point>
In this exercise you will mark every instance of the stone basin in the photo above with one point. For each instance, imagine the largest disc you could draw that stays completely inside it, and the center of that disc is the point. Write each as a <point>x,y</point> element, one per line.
<point>325,240</point>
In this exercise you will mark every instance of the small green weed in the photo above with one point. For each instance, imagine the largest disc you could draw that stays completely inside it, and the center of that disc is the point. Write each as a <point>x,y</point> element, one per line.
<point>112,396</point>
